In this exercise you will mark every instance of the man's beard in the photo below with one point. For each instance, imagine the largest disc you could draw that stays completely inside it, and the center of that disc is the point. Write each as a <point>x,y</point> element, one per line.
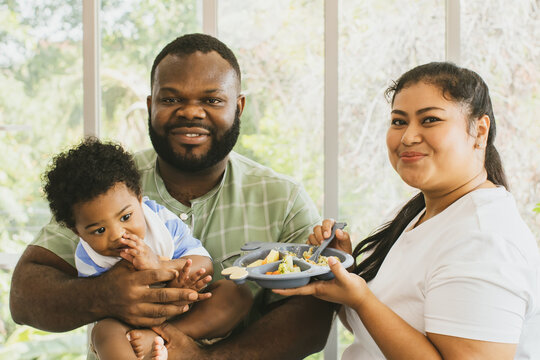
<point>219,148</point>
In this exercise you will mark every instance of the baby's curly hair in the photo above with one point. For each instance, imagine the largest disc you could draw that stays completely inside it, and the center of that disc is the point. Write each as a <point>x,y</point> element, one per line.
<point>85,172</point>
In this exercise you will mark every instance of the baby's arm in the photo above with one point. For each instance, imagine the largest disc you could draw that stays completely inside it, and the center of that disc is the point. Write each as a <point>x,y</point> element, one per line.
<point>195,271</point>
<point>138,253</point>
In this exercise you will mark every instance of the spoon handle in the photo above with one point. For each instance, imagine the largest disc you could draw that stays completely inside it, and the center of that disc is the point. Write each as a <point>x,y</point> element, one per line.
<point>324,244</point>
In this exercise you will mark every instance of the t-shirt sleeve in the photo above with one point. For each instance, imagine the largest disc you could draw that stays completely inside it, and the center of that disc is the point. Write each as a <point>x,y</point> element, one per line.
<point>184,243</point>
<point>481,290</point>
<point>301,217</point>
<point>86,267</point>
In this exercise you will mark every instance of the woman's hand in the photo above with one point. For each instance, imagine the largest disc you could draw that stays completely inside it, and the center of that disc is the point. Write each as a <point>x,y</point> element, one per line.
<point>346,288</point>
<point>342,240</point>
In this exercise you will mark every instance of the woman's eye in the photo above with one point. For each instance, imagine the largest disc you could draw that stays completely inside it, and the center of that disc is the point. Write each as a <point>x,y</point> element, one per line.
<point>101,230</point>
<point>125,217</point>
<point>430,120</point>
<point>398,122</point>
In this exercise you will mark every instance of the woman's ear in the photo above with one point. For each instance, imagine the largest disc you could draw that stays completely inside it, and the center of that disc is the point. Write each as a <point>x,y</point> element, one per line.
<point>482,132</point>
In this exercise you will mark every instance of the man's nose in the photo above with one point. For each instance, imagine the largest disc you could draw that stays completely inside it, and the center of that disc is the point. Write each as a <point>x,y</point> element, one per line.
<point>191,111</point>
<point>411,135</point>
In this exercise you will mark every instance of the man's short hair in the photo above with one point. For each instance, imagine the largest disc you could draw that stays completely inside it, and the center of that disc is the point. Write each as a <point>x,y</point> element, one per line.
<point>191,43</point>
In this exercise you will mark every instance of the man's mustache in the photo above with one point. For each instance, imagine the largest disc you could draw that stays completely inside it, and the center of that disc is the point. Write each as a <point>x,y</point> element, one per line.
<point>184,124</point>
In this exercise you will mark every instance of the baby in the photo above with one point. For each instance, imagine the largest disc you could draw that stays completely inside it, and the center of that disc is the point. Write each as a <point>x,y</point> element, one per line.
<point>94,189</point>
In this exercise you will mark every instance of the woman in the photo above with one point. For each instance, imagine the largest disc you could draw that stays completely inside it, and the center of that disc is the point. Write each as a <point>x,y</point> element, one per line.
<point>455,274</point>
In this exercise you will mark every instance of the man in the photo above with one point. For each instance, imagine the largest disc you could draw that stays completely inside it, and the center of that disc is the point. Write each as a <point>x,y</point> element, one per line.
<point>226,199</point>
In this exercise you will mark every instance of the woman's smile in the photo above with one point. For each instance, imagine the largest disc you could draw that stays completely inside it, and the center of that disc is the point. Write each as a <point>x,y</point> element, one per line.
<point>411,156</point>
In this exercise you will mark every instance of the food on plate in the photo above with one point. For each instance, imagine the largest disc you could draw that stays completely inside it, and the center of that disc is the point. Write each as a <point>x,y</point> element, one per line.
<point>272,256</point>
<point>285,267</point>
<point>322,261</point>
<point>256,263</point>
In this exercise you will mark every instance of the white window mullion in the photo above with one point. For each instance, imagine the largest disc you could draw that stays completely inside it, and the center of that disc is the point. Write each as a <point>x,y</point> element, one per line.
<point>91,86</point>
<point>453,33</point>
<point>209,17</point>
<point>331,145</point>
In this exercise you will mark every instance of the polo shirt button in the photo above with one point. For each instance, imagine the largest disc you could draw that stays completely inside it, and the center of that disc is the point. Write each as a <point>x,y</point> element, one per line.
<point>184,216</point>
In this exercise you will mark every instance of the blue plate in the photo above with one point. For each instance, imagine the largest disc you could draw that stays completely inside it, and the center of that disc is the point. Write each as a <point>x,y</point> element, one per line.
<point>284,281</point>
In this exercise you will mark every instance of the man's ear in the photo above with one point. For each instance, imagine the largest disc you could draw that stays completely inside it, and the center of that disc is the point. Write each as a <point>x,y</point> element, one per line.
<point>482,131</point>
<point>240,103</point>
<point>149,104</point>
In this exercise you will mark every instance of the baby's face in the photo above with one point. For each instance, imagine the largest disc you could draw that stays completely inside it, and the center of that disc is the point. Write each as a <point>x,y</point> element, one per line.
<point>102,221</point>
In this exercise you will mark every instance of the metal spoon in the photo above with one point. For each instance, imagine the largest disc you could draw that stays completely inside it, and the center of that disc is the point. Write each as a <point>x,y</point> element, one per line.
<point>324,244</point>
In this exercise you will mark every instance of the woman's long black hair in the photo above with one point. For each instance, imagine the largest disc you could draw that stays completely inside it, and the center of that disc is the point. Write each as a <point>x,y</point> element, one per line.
<point>460,85</point>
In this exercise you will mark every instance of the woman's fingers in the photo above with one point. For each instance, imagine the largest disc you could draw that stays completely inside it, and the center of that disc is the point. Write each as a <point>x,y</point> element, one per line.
<point>335,266</point>
<point>304,290</point>
<point>327,227</point>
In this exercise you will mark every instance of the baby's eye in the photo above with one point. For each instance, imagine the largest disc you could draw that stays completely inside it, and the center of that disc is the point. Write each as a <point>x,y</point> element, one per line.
<point>101,230</point>
<point>125,217</point>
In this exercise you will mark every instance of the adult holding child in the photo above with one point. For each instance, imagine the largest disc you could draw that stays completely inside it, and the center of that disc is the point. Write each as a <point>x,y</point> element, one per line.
<point>455,275</point>
<point>225,199</point>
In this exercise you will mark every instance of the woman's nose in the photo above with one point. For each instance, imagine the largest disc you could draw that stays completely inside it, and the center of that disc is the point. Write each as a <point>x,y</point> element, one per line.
<point>411,135</point>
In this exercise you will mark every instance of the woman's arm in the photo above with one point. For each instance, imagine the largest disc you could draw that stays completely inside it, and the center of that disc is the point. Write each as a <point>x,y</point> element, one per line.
<point>394,336</point>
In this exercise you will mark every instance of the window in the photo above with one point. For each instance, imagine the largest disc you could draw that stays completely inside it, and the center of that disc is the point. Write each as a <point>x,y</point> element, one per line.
<point>280,46</point>
<point>41,102</point>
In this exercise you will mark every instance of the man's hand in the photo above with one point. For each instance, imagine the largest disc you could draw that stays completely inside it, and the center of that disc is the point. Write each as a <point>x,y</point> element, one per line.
<point>179,345</point>
<point>47,294</point>
<point>126,294</point>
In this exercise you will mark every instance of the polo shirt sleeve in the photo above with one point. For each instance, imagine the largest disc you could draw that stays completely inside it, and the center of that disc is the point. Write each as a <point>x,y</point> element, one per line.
<point>59,240</point>
<point>479,290</point>
<point>302,216</point>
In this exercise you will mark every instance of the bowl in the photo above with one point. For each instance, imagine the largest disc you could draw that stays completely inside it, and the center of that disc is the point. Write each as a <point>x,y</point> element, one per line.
<point>307,272</point>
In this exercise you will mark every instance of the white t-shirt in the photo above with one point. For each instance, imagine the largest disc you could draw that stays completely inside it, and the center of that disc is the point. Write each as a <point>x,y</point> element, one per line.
<point>472,271</point>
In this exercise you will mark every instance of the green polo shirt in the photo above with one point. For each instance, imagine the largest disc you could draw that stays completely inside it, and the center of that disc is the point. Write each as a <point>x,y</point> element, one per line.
<point>251,203</point>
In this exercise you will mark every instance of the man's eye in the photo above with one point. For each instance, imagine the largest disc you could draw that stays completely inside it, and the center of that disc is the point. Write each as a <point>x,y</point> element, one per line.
<point>125,217</point>
<point>101,230</point>
<point>170,100</point>
<point>214,101</point>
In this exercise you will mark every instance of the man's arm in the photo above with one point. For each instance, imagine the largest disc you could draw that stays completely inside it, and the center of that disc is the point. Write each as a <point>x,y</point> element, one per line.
<point>47,294</point>
<point>293,330</point>
<point>297,328</point>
